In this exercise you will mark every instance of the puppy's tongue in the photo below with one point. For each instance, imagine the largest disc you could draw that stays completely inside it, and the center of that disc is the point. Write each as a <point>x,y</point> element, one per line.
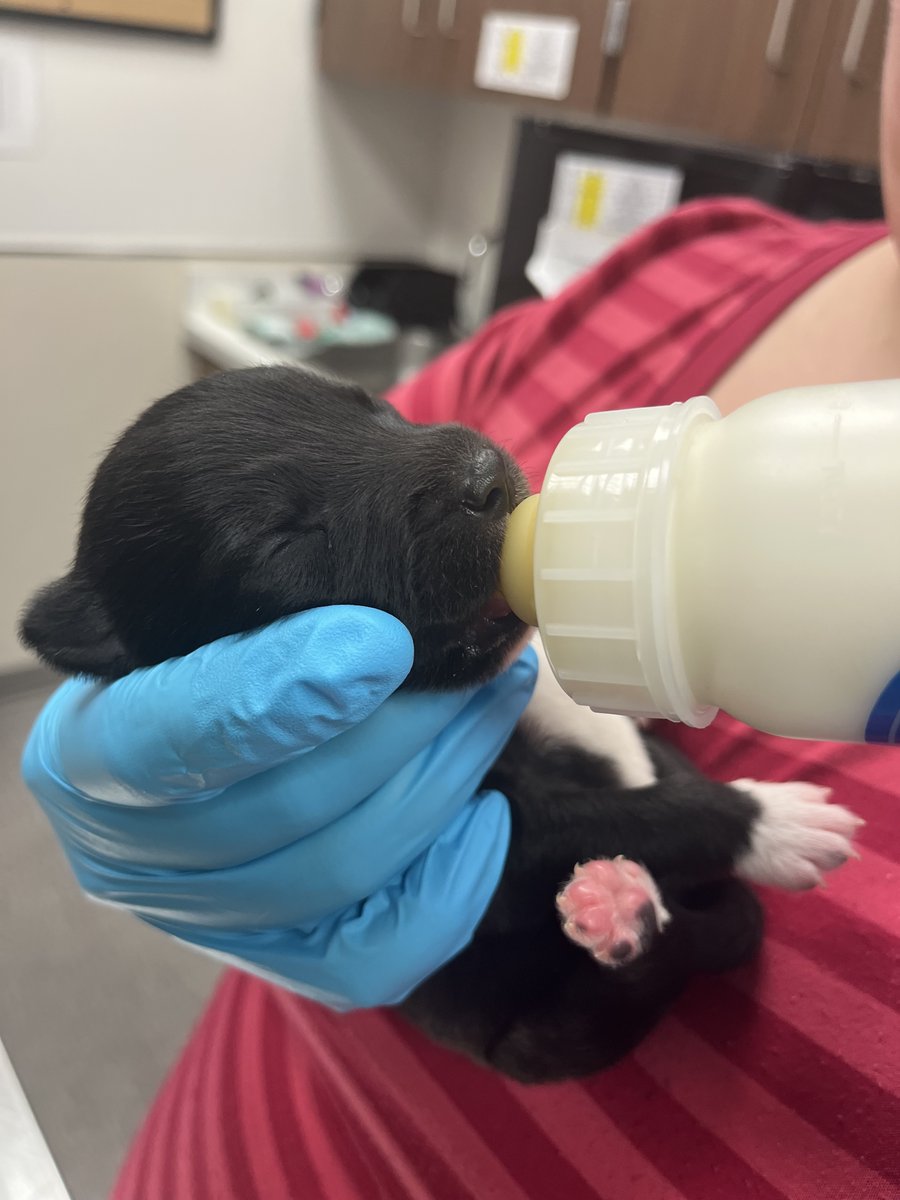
<point>495,608</point>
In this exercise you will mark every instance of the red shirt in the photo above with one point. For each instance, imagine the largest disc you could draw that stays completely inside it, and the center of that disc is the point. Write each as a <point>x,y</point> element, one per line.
<point>776,1082</point>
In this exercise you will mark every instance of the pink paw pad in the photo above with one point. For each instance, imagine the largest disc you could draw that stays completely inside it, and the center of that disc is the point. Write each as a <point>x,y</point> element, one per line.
<point>613,908</point>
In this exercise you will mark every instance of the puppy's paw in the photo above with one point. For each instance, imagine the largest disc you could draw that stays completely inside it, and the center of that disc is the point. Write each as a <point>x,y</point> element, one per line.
<point>797,836</point>
<point>613,908</point>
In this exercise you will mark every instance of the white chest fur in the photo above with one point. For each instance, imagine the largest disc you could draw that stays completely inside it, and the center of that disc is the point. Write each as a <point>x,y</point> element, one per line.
<point>615,738</point>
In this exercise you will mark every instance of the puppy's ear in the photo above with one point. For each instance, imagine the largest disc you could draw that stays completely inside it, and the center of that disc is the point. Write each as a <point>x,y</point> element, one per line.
<point>68,626</point>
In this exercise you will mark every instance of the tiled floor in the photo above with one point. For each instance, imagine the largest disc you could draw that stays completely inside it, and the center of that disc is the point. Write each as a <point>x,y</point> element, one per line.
<point>93,1005</point>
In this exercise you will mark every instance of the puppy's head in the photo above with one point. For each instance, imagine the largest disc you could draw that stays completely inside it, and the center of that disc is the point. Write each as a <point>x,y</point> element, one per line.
<point>255,494</point>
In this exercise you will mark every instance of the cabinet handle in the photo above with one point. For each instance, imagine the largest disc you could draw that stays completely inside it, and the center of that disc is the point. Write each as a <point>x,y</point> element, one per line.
<point>614,27</point>
<point>411,17</point>
<point>779,33</point>
<point>447,18</point>
<point>856,39</point>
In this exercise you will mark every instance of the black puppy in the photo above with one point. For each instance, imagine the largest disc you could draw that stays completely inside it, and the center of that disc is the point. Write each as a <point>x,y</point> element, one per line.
<point>255,494</point>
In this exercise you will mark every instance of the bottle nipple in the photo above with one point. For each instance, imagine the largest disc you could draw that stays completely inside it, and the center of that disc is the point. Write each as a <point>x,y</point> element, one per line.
<point>517,561</point>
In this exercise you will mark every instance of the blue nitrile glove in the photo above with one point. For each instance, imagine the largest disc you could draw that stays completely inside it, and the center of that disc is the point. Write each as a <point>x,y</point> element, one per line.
<point>267,799</point>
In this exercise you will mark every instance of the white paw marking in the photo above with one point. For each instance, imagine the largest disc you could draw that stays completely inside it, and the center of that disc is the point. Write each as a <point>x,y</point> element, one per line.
<point>797,836</point>
<point>554,714</point>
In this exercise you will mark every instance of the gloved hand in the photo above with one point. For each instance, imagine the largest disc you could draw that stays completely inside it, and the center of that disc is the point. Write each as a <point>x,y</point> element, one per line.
<point>269,800</point>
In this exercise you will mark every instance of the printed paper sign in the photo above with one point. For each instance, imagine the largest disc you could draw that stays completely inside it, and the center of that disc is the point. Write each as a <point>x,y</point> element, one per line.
<point>532,56</point>
<point>611,195</point>
<point>595,203</point>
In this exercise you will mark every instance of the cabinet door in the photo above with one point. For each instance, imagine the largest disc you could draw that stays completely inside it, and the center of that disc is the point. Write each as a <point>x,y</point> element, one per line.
<point>843,119</point>
<point>386,41</point>
<point>586,19</point>
<point>737,70</point>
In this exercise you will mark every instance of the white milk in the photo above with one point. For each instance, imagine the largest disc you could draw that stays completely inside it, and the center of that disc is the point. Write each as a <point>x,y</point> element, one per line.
<point>683,562</point>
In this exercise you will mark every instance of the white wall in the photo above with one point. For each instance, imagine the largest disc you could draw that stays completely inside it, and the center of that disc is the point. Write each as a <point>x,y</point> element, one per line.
<point>158,144</point>
<point>479,143</point>
<point>84,346</point>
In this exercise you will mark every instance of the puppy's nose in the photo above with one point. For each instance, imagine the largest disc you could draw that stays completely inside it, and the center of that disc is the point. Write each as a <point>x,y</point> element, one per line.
<point>486,489</point>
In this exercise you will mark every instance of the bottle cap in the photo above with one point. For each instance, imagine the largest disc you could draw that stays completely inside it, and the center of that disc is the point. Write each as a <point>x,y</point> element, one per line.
<point>598,546</point>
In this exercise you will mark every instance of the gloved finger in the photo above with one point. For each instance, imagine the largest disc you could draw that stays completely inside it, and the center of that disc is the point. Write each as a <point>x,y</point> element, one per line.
<point>343,862</point>
<point>194,725</point>
<point>272,809</point>
<point>257,815</point>
<point>377,952</point>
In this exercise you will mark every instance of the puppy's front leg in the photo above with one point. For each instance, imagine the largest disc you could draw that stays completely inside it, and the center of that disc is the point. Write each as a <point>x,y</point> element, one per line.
<point>796,836</point>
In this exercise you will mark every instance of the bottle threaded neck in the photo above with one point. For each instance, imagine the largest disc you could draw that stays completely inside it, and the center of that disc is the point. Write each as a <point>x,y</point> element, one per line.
<point>603,574</point>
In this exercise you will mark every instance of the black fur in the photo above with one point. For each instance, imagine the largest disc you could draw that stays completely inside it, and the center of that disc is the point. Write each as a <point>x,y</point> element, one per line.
<point>526,1000</point>
<point>255,494</point>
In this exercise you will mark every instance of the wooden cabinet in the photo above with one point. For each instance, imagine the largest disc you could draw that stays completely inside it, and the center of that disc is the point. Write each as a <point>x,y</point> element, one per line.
<point>435,43</point>
<point>412,42</point>
<point>842,122</point>
<point>735,70</point>
<point>791,75</point>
